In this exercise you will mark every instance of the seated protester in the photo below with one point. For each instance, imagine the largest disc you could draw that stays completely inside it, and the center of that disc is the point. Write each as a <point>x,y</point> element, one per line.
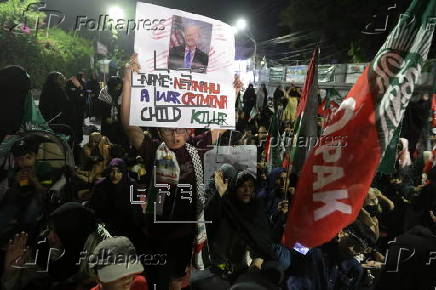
<point>262,179</point>
<point>274,191</point>
<point>382,208</point>
<point>111,202</point>
<point>410,260</point>
<point>239,225</point>
<point>330,266</point>
<point>417,212</point>
<point>427,197</point>
<point>368,225</point>
<point>261,135</point>
<point>14,87</point>
<point>229,176</point>
<point>24,201</point>
<point>376,203</point>
<point>72,233</point>
<point>118,274</point>
<point>368,220</point>
<point>14,81</point>
<point>97,155</point>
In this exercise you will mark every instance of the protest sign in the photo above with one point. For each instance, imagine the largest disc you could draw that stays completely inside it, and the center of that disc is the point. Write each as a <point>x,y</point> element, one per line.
<point>186,70</point>
<point>242,157</point>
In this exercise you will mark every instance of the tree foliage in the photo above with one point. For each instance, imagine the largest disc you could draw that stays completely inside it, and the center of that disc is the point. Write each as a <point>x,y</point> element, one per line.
<point>39,53</point>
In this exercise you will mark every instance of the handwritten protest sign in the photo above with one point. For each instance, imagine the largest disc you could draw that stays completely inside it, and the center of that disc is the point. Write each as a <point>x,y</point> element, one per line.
<point>186,70</point>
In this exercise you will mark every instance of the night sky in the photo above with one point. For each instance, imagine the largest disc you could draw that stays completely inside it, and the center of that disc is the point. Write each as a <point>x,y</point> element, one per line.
<point>261,15</point>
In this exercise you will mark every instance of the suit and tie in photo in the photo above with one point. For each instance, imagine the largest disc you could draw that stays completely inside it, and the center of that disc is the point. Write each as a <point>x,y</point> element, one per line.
<point>189,56</point>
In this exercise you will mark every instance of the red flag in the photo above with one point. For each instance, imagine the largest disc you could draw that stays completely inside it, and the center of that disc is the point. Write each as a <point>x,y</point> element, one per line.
<point>433,106</point>
<point>268,148</point>
<point>323,108</point>
<point>311,78</point>
<point>336,177</point>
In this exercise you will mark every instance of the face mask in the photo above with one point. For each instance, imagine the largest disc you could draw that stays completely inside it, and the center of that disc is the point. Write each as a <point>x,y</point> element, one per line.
<point>372,210</point>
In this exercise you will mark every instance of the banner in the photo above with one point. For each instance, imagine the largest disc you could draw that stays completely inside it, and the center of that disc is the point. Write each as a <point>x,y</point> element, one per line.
<point>335,179</point>
<point>186,70</point>
<point>276,74</point>
<point>353,72</point>
<point>242,157</point>
<point>296,73</point>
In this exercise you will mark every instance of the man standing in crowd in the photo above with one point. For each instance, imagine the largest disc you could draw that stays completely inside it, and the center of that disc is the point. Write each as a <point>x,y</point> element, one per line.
<point>175,163</point>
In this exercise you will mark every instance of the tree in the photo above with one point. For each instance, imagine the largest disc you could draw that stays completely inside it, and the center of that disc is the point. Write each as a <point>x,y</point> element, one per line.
<point>38,53</point>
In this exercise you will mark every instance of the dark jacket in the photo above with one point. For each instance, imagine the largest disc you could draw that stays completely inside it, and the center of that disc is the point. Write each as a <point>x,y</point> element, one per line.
<point>78,101</point>
<point>177,58</point>
<point>326,268</point>
<point>112,206</point>
<point>54,103</point>
<point>410,261</point>
<point>235,228</point>
<point>14,87</point>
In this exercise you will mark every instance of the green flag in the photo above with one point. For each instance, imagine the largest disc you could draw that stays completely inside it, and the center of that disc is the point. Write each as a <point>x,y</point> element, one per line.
<point>306,128</point>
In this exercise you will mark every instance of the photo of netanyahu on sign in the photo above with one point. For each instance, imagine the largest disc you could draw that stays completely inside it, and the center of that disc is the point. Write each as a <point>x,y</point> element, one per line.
<point>189,45</point>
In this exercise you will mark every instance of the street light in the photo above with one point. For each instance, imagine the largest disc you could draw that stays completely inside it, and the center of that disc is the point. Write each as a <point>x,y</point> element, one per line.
<point>241,25</point>
<point>116,12</point>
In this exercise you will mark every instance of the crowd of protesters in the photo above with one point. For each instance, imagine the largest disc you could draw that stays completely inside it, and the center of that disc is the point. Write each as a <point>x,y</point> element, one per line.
<point>92,235</point>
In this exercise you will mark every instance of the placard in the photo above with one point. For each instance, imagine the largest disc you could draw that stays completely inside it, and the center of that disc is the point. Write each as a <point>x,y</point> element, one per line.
<point>186,78</point>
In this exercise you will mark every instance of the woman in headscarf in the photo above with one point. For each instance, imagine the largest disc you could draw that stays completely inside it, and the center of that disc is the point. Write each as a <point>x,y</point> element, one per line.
<point>54,103</point>
<point>274,191</point>
<point>289,114</point>
<point>14,87</point>
<point>277,98</point>
<point>249,99</point>
<point>239,225</point>
<point>109,111</point>
<point>229,175</point>
<point>112,205</point>
<point>60,255</point>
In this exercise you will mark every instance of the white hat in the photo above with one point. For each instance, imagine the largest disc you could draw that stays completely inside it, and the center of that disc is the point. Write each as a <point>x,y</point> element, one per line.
<point>116,258</point>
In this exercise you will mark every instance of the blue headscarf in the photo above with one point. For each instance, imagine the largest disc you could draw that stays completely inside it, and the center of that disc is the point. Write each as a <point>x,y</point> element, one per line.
<point>267,193</point>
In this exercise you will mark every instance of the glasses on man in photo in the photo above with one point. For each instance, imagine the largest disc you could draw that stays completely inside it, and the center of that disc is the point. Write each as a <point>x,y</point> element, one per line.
<point>170,131</point>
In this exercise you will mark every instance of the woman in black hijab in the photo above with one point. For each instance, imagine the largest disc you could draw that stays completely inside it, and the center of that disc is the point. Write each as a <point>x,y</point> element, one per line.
<point>109,111</point>
<point>112,205</point>
<point>249,99</point>
<point>14,87</point>
<point>54,103</point>
<point>61,251</point>
<point>239,223</point>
